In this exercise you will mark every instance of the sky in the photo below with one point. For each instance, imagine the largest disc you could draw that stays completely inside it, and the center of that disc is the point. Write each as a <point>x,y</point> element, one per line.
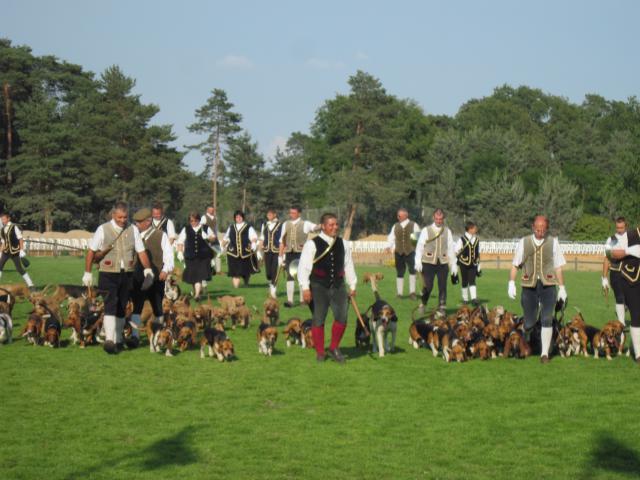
<point>279,61</point>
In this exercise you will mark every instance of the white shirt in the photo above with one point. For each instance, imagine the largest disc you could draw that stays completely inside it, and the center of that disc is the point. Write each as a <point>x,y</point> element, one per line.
<point>203,221</point>
<point>391,238</point>
<point>459,245</point>
<point>558,256</point>
<point>171,229</point>
<point>167,249</point>
<point>97,241</point>
<point>253,236</point>
<point>424,236</point>
<point>16,229</point>
<point>622,241</point>
<point>308,227</point>
<point>306,262</point>
<point>183,234</point>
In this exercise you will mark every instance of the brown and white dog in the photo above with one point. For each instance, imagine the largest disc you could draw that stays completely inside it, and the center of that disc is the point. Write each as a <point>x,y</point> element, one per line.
<point>241,316</point>
<point>271,313</point>
<point>608,340</point>
<point>567,342</point>
<point>585,333</point>
<point>6,328</point>
<point>218,344</point>
<point>267,336</point>
<point>293,333</point>
<point>307,337</point>
<point>7,301</point>
<point>51,332</point>
<point>186,337</point>
<point>33,329</point>
<point>383,320</point>
<point>516,346</point>
<point>160,338</point>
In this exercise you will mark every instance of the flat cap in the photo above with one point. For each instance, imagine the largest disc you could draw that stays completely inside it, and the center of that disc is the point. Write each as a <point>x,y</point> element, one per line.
<point>141,215</point>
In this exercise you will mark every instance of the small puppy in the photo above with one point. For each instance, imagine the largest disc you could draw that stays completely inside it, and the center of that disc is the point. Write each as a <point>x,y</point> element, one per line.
<point>271,313</point>
<point>218,343</point>
<point>267,336</point>
<point>241,316</point>
<point>293,333</point>
<point>6,328</point>
<point>186,335</point>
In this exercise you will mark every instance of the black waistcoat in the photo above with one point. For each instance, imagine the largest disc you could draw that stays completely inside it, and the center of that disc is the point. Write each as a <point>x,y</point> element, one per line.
<point>470,253</point>
<point>195,246</point>
<point>271,239</point>
<point>239,243</point>
<point>328,265</point>
<point>629,265</point>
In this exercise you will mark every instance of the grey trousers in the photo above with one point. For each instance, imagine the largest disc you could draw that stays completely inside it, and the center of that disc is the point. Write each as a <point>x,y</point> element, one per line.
<point>542,296</point>
<point>324,298</point>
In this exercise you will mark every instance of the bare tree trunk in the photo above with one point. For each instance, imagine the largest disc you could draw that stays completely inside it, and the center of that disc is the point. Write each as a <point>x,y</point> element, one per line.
<point>7,105</point>
<point>244,199</point>
<point>349,225</point>
<point>352,205</point>
<point>214,177</point>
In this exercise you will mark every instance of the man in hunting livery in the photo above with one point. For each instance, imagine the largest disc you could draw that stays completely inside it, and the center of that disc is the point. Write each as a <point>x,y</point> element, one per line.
<point>211,221</point>
<point>114,246</point>
<point>399,242</point>
<point>541,260</point>
<point>467,250</point>
<point>629,258</point>
<point>160,222</point>
<point>611,276</point>
<point>13,247</point>
<point>269,241</point>
<point>160,253</point>
<point>434,257</point>
<point>325,266</point>
<point>292,239</point>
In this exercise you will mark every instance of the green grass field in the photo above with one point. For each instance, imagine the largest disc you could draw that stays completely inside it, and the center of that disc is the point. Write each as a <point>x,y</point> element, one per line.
<point>75,414</point>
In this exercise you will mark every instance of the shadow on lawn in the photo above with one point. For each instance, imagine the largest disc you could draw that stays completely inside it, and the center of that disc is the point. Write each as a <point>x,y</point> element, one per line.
<point>609,454</point>
<point>174,450</point>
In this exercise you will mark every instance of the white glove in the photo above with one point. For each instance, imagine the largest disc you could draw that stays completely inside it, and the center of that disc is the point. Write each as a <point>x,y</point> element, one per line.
<point>259,255</point>
<point>419,267</point>
<point>562,293</point>
<point>511,291</point>
<point>479,268</point>
<point>181,256</point>
<point>23,254</point>
<point>148,272</point>
<point>605,283</point>
<point>87,279</point>
<point>454,269</point>
<point>280,261</point>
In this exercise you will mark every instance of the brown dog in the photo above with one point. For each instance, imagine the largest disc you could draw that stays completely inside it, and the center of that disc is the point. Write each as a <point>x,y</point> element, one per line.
<point>271,313</point>
<point>306,334</point>
<point>293,333</point>
<point>516,346</point>
<point>32,330</point>
<point>608,340</point>
<point>241,316</point>
<point>218,344</point>
<point>585,333</point>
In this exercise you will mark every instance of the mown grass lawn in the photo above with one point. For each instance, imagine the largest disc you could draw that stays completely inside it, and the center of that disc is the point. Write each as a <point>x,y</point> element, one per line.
<point>73,413</point>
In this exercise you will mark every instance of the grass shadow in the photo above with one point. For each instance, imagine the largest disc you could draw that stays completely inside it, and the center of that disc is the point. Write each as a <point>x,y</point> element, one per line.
<point>610,455</point>
<point>175,449</point>
<point>354,352</point>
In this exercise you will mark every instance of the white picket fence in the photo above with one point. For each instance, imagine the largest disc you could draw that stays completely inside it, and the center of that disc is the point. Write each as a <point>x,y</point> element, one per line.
<point>504,247</point>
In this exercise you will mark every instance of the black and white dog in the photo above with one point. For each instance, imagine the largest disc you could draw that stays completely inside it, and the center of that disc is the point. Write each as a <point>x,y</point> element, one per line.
<point>6,328</point>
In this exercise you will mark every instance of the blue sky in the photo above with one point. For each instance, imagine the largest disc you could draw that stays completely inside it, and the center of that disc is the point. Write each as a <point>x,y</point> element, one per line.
<point>280,60</point>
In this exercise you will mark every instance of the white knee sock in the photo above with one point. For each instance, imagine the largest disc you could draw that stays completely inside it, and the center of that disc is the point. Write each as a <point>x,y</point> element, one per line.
<point>399,285</point>
<point>412,284</point>
<point>197,289</point>
<point>465,294</point>
<point>272,290</point>
<point>291,288</point>
<point>109,324</point>
<point>203,283</point>
<point>620,312</point>
<point>119,327</point>
<point>473,292</point>
<point>635,339</point>
<point>27,279</point>
<point>218,264</point>
<point>160,319</point>
<point>300,293</point>
<point>546,334</point>
<point>135,319</point>
<point>0,274</point>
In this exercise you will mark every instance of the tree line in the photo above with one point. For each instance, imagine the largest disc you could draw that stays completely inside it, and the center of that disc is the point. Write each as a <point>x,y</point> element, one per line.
<point>72,143</point>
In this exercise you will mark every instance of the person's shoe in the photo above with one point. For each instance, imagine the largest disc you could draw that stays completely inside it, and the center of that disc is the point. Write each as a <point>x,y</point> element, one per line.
<point>544,359</point>
<point>110,347</point>
<point>133,343</point>
<point>336,355</point>
<point>442,309</point>
<point>320,357</point>
<point>288,304</point>
<point>412,296</point>
<point>475,302</point>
